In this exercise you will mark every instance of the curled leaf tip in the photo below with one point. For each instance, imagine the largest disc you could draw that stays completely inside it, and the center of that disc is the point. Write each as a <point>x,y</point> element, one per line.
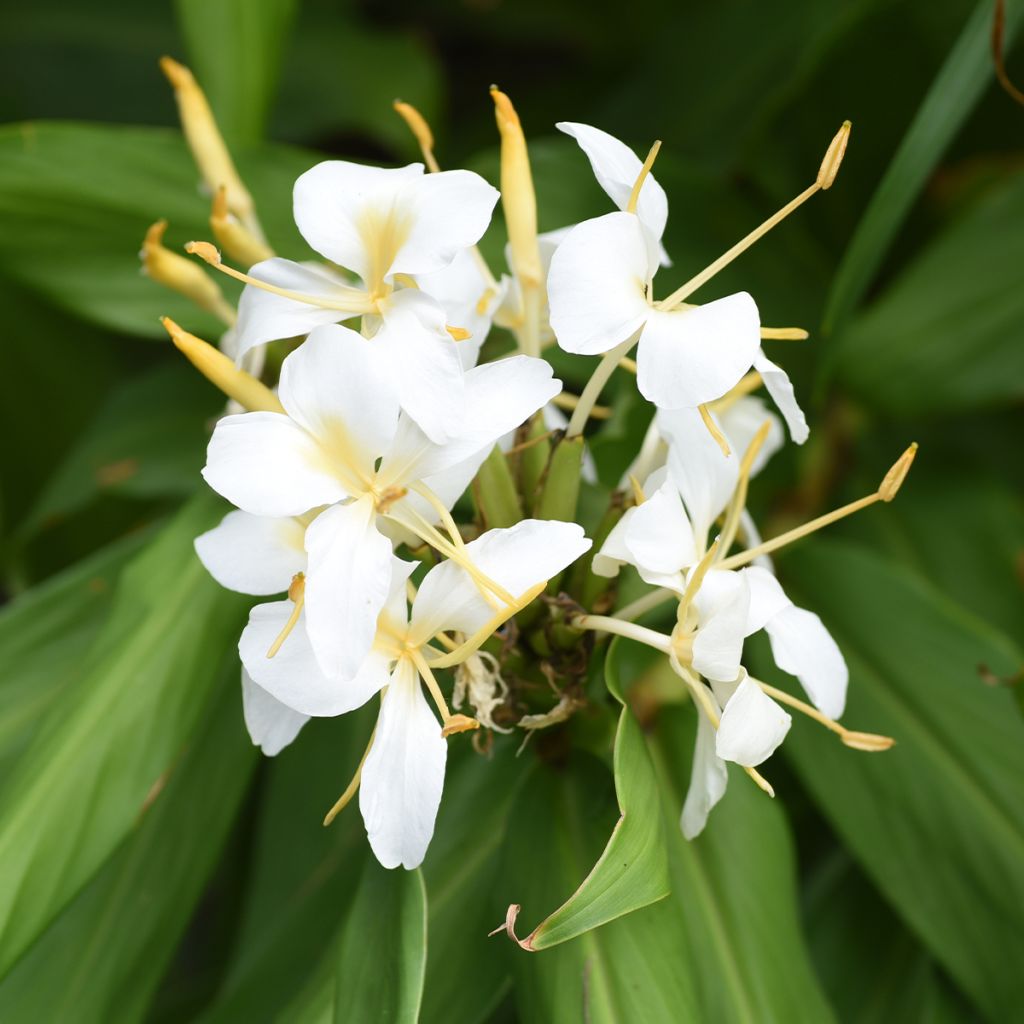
<point>509,928</point>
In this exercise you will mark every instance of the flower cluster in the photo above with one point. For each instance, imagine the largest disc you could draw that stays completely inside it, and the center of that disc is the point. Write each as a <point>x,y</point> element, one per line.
<point>346,468</point>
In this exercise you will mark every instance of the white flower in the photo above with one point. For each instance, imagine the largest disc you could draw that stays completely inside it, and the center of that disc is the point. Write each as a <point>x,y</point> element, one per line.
<point>343,447</point>
<point>402,776</point>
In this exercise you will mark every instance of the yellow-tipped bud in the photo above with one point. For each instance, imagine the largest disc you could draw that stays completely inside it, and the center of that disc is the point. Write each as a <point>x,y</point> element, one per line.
<point>833,157</point>
<point>459,723</point>
<point>217,368</point>
<point>517,196</point>
<point>893,480</point>
<point>182,275</point>
<point>234,238</point>
<point>206,142</point>
<point>417,124</point>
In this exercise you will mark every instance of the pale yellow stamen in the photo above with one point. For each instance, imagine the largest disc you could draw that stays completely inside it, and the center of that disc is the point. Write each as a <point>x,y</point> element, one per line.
<point>221,371</point>
<point>459,333</point>
<point>634,196</point>
<point>607,624</point>
<point>349,300</point>
<point>183,276</point>
<point>826,176</point>
<point>638,492</point>
<point>207,144</point>
<point>627,364</point>
<point>713,430</point>
<point>739,499</point>
<point>450,724</point>
<point>565,400</point>
<point>296,594</point>
<point>234,238</point>
<point>867,741</point>
<point>594,386</point>
<point>417,124</point>
<point>761,781</point>
<point>697,575</point>
<point>783,334</point>
<point>886,492</point>
<point>350,790</point>
<point>520,205</point>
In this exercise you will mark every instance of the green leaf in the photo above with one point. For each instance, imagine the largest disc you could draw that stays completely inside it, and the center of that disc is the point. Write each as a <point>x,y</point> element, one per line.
<point>44,636</point>
<point>104,955</point>
<point>631,871</point>
<point>78,789</point>
<point>76,200</point>
<point>949,102</point>
<point>148,440</point>
<point>383,951</point>
<point>236,47</point>
<point>959,301</point>
<point>937,821</point>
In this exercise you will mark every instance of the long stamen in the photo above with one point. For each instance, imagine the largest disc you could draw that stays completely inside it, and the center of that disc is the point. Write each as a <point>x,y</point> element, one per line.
<point>644,604</point>
<point>634,196</point>
<point>886,492</point>
<point>595,385</point>
<point>714,431</point>
<point>183,276</point>
<point>784,334</point>
<point>207,144</point>
<point>234,238</point>
<point>297,594</point>
<point>417,124</point>
<point>867,741</point>
<point>450,724</point>
<point>349,300</point>
<point>350,790</point>
<point>826,176</point>
<point>566,400</point>
<point>739,500</point>
<point>443,513</point>
<point>643,635</point>
<point>693,584</point>
<point>221,371</point>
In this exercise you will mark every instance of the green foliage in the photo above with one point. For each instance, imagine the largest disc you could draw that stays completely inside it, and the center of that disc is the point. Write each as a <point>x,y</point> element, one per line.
<point>151,872</point>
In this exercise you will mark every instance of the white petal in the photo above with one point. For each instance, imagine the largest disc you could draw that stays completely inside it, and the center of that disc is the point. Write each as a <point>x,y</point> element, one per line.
<point>293,676</point>
<point>422,358</point>
<point>347,584</point>
<point>780,387</point>
<point>752,726</point>
<point>742,420</point>
<point>264,316</point>
<point>334,387</point>
<point>614,553</point>
<point>271,724</point>
<point>722,606</point>
<point>403,775</point>
<point>708,779</point>
<point>802,646</point>
<point>516,558</point>
<point>266,464</point>
<point>499,396</point>
<point>616,168</point>
<point>660,538</point>
<point>452,211</point>
<point>705,477</point>
<point>596,283</point>
<point>691,356</point>
<point>347,211</point>
<point>767,598</point>
<point>253,554</point>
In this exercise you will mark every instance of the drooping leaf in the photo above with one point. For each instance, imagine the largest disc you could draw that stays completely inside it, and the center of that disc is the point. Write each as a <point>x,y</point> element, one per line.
<point>103,956</point>
<point>44,636</point>
<point>77,790</point>
<point>631,871</point>
<point>937,821</point>
<point>945,336</point>
<point>147,441</point>
<point>948,104</point>
<point>236,48</point>
<point>73,189</point>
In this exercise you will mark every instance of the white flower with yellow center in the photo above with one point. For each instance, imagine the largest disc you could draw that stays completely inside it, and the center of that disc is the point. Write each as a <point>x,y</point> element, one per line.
<point>343,458</point>
<point>402,774</point>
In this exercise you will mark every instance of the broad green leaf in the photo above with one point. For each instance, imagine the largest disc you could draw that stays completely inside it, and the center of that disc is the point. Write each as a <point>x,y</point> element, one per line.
<point>148,440</point>
<point>44,636</point>
<point>948,104</point>
<point>936,822</point>
<point>78,789</point>
<point>76,200</point>
<point>871,966</point>
<point>302,877</point>
<point>631,871</point>
<point>235,47</point>
<point>103,956</point>
<point>383,950</point>
<point>945,336</point>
